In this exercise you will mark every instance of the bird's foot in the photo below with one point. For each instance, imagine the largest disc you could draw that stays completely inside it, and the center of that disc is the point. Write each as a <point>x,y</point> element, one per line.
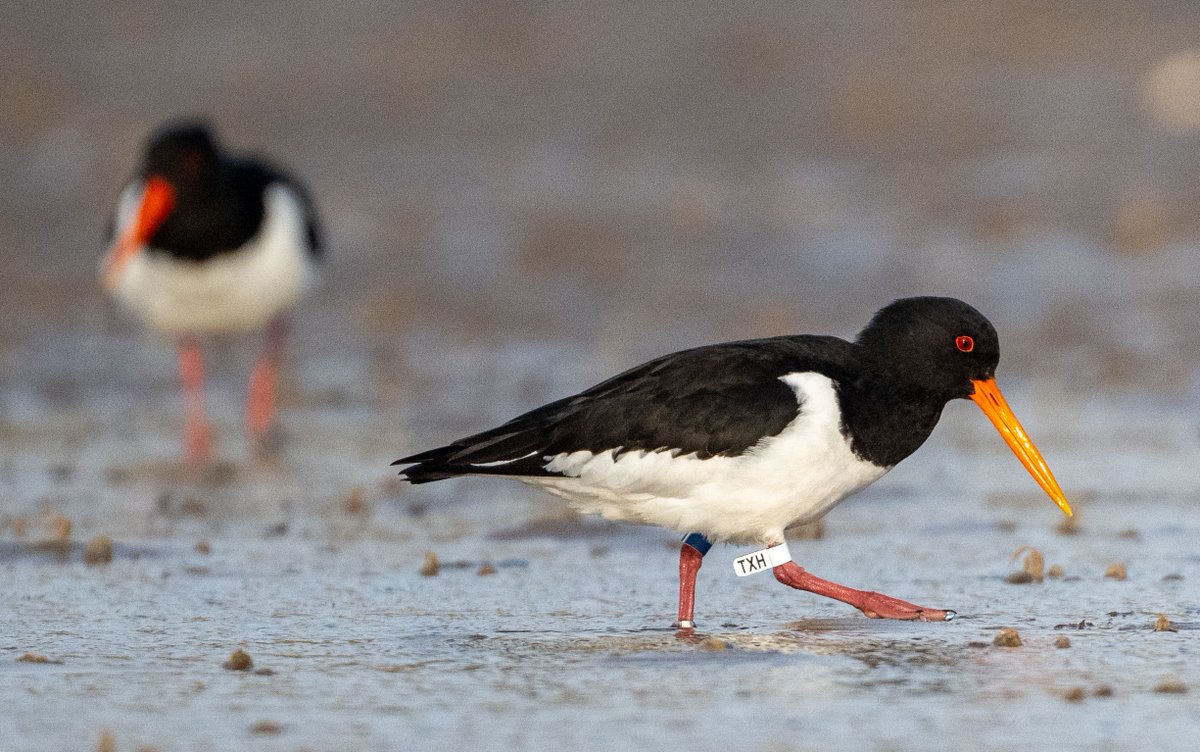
<point>686,631</point>
<point>880,606</point>
<point>874,605</point>
<point>266,447</point>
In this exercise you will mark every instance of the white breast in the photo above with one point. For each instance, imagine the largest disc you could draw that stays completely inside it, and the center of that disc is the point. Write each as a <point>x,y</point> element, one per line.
<point>786,480</point>
<point>236,291</point>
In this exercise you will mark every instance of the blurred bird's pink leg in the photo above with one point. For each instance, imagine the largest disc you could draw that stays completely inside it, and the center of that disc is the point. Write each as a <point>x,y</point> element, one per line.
<point>260,400</point>
<point>874,605</point>
<point>197,434</point>
<point>691,555</point>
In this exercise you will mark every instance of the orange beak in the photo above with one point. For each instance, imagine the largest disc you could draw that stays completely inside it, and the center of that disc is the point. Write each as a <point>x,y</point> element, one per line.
<point>987,396</point>
<point>158,198</point>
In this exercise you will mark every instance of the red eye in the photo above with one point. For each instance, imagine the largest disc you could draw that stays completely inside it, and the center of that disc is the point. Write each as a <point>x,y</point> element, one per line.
<point>964,343</point>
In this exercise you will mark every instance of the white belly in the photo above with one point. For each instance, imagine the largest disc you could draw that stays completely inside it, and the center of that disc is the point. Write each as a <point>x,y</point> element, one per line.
<point>237,291</point>
<point>788,479</point>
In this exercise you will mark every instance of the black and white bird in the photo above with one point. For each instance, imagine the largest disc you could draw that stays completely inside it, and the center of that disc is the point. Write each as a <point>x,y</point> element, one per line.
<point>744,441</point>
<point>208,243</point>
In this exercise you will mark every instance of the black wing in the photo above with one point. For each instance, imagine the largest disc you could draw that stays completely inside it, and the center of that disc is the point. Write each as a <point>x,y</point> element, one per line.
<point>718,400</point>
<point>260,173</point>
<point>230,213</point>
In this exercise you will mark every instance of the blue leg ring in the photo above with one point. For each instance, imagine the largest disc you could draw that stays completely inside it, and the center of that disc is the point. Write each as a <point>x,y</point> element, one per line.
<point>698,542</point>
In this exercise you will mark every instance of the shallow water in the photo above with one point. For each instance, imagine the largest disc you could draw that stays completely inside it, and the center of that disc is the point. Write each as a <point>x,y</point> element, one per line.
<point>521,200</point>
<point>568,642</point>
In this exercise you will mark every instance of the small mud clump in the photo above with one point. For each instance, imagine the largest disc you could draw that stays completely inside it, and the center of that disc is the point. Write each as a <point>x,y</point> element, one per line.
<point>1115,571</point>
<point>54,534</point>
<point>37,658</point>
<point>430,566</point>
<point>239,660</point>
<point>266,727</point>
<point>1032,567</point>
<point>1103,690</point>
<point>1055,571</point>
<point>203,547</point>
<point>485,569</point>
<point>99,550</point>
<point>713,644</point>
<point>1163,624</point>
<point>1074,694</point>
<point>107,741</point>
<point>1170,686</point>
<point>355,502</point>
<point>1062,641</point>
<point>1007,637</point>
<point>1068,526</point>
<point>60,529</point>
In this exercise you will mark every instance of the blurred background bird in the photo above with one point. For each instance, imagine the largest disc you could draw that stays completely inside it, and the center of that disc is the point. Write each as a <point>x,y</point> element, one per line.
<point>209,243</point>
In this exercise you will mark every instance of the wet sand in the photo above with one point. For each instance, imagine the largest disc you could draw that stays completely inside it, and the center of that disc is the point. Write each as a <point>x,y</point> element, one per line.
<point>568,641</point>
<point>520,202</point>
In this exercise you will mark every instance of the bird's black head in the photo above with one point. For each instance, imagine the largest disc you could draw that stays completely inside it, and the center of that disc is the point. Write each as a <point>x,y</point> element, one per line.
<point>182,153</point>
<point>932,350</point>
<point>940,345</point>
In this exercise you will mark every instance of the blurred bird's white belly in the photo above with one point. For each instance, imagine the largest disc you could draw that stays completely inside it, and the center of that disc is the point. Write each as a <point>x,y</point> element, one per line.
<point>786,480</point>
<point>235,291</point>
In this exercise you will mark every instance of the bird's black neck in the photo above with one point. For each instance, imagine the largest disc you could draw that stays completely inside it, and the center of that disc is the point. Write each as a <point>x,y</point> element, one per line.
<point>214,216</point>
<point>887,419</point>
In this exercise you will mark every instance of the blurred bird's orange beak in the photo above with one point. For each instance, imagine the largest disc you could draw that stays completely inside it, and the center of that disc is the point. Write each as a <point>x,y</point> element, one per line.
<point>158,198</point>
<point>987,396</point>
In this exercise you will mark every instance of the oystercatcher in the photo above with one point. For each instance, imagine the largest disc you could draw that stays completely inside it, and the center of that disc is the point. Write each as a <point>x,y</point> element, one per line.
<point>744,441</point>
<point>206,243</point>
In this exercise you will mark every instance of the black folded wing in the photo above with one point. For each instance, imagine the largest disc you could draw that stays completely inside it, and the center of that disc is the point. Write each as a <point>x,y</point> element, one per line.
<point>719,400</point>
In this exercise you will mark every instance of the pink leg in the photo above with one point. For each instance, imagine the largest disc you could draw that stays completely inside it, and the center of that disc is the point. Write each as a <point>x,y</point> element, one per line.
<point>691,555</point>
<point>689,564</point>
<point>874,605</point>
<point>260,401</point>
<point>197,434</point>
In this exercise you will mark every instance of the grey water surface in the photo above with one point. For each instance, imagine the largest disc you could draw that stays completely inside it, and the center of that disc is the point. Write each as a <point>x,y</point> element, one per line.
<point>520,200</point>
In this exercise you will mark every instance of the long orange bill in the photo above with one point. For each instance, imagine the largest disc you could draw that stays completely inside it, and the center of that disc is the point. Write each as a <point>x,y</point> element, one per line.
<point>987,396</point>
<point>158,198</point>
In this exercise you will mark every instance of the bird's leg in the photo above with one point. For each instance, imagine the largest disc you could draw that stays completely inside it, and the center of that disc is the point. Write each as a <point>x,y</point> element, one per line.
<point>260,398</point>
<point>691,555</point>
<point>874,605</point>
<point>197,434</point>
